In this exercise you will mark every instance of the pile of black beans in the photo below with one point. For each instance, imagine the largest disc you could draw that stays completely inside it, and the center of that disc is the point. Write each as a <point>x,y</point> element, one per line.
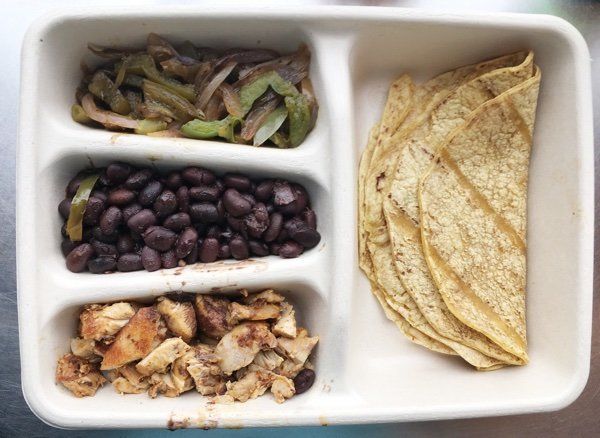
<point>137,218</point>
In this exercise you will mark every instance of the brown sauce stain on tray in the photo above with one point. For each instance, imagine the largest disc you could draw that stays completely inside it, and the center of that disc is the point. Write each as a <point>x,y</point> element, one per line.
<point>176,422</point>
<point>255,265</point>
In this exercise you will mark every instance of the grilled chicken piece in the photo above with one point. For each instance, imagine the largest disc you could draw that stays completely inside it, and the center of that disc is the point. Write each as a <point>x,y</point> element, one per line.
<point>289,368</point>
<point>144,332</point>
<point>85,348</point>
<point>267,359</point>
<point>257,311</point>
<point>239,347</point>
<point>252,385</point>
<point>162,384</point>
<point>180,317</point>
<point>212,315</point>
<point>162,356</point>
<point>297,349</point>
<point>286,324</point>
<point>101,321</point>
<point>282,388</point>
<point>78,375</point>
<point>127,380</point>
<point>268,296</point>
<point>182,381</point>
<point>204,369</point>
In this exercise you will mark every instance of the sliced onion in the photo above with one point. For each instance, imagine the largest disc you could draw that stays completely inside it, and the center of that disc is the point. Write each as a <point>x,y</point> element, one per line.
<point>159,48</point>
<point>257,117</point>
<point>106,117</point>
<point>244,56</point>
<point>231,100</point>
<point>214,83</point>
<point>270,126</point>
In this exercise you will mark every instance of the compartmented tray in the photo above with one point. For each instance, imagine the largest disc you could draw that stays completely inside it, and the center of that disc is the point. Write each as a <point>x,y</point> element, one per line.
<point>366,371</point>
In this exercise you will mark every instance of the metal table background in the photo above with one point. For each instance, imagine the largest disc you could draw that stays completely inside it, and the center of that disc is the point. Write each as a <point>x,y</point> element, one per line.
<point>582,418</point>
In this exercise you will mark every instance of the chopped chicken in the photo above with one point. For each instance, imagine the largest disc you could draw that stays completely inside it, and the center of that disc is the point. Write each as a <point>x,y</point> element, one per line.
<point>100,321</point>
<point>85,348</point>
<point>212,315</point>
<point>282,388</point>
<point>204,369</point>
<point>289,368</point>
<point>239,347</point>
<point>268,296</point>
<point>162,384</point>
<point>162,356</point>
<point>297,349</point>
<point>286,324</point>
<point>127,380</point>
<point>257,311</point>
<point>252,385</point>
<point>182,380</point>
<point>268,360</point>
<point>78,375</point>
<point>144,332</point>
<point>180,317</point>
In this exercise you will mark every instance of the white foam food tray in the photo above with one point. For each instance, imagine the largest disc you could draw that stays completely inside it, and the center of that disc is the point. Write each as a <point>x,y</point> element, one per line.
<point>366,370</point>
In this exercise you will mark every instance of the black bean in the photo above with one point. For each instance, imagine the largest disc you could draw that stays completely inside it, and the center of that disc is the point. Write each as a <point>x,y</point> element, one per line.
<point>283,194</point>
<point>299,203</point>
<point>110,219</point>
<point>221,211</point>
<point>290,250</point>
<point>235,181</point>
<point>174,180</point>
<point>64,208</point>
<point>139,179</point>
<point>99,194</point>
<point>257,221</point>
<point>304,380</point>
<point>204,212</point>
<point>103,249</point>
<point>238,225</point>
<point>130,211</point>
<point>97,234</point>
<point>63,229</point>
<point>121,197</point>
<point>270,208</point>
<point>130,262</point>
<point>103,179</point>
<point>150,259</point>
<point>168,260</point>
<point>274,248</point>
<point>159,238</point>
<point>205,193</point>
<point>66,246</point>
<point>201,228</point>
<point>197,176</point>
<point>186,242</point>
<point>213,231</point>
<point>224,251</point>
<point>302,233</point>
<point>235,204</point>
<point>248,197</point>
<point>177,222</point>
<point>141,220</point>
<point>192,257</point>
<point>93,210</point>
<point>73,185</point>
<point>117,173</point>
<point>209,250</point>
<point>239,248</point>
<point>310,217</point>
<point>275,226</point>
<point>149,193</point>
<point>264,190</point>
<point>283,236</point>
<point>102,264</point>
<point>183,199</point>
<point>125,244</point>
<point>165,204</point>
<point>258,248</point>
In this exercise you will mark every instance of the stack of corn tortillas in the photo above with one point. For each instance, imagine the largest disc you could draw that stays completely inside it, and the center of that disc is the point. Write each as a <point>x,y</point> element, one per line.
<point>442,209</point>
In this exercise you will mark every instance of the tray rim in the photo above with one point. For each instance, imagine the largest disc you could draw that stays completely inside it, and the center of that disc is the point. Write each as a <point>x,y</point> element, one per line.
<point>360,13</point>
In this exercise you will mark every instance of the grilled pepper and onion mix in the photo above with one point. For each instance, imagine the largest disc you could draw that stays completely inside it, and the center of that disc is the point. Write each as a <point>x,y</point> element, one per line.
<point>234,350</point>
<point>127,219</point>
<point>246,96</point>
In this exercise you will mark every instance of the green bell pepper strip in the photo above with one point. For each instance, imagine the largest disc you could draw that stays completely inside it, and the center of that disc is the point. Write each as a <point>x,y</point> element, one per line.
<point>105,89</point>
<point>299,116</point>
<point>202,129</point>
<point>78,204</point>
<point>143,64</point>
<point>79,115</point>
<point>147,126</point>
<point>270,126</point>
<point>252,91</point>
<point>181,108</point>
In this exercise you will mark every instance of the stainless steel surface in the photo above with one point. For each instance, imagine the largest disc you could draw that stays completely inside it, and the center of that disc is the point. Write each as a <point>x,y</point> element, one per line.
<point>580,419</point>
